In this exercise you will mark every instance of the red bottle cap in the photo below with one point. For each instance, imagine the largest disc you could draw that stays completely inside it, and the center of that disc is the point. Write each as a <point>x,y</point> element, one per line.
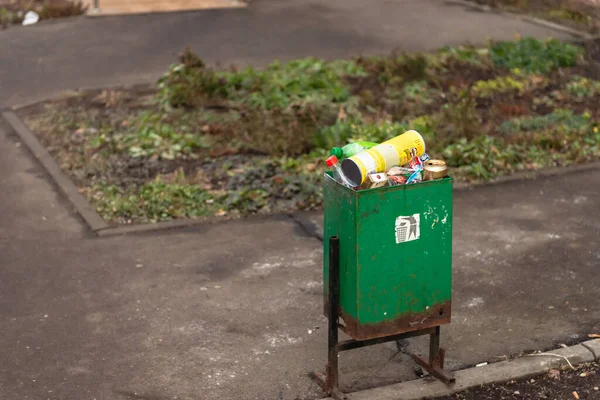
<point>331,161</point>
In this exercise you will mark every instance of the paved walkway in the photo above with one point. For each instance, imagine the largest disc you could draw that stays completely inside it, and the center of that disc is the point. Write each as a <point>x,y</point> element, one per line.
<point>233,310</point>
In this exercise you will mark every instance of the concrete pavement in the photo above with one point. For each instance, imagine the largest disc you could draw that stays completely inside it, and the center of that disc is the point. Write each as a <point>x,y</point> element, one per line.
<point>233,310</point>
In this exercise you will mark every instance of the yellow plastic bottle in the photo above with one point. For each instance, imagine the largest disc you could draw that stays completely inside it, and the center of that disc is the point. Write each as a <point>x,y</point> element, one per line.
<point>384,156</point>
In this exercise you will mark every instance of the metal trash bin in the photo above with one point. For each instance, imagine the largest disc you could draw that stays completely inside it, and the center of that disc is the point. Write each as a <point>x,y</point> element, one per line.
<point>387,270</point>
<point>395,256</point>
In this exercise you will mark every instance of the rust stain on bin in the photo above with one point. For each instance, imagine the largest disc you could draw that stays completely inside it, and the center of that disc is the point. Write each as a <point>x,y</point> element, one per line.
<point>438,314</point>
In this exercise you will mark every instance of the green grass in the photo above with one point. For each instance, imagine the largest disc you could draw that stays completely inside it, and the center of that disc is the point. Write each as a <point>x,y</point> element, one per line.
<point>535,56</point>
<point>152,202</point>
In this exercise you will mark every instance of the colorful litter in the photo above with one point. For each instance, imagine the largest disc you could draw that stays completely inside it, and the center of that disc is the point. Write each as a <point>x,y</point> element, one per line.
<point>399,161</point>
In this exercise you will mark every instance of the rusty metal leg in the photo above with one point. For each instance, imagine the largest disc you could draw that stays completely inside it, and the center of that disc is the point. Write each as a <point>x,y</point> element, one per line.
<point>334,296</point>
<point>434,347</point>
<point>329,382</point>
<point>435,364</point>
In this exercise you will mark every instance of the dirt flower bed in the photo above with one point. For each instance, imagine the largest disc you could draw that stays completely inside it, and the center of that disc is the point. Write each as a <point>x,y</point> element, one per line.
<point>582,383</point>
<point>237,142</point>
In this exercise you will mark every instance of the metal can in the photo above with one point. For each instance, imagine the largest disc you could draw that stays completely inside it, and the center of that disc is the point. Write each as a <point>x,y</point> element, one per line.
<point>434,169</point>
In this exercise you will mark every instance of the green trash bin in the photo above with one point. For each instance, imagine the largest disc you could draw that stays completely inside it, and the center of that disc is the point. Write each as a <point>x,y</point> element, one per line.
<point>395,264</point>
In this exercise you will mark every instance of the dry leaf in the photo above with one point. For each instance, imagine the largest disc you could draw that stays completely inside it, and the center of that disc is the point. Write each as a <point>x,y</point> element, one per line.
<point>553,374</point>
<point>594,335</point>
<point>576,395</point>
<point>342,114</point>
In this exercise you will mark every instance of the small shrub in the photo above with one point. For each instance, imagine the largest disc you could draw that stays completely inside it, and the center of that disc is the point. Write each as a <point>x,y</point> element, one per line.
<point>396,70</point>
<point>535,56</point>
<point>189,83</point>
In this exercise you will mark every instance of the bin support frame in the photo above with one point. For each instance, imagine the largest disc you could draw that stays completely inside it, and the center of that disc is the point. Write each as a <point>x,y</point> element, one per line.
<point>329,381</point>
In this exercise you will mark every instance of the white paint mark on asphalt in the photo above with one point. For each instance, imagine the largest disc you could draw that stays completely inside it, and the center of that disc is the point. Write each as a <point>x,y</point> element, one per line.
<point>281,340</point>
<point>475,302</point>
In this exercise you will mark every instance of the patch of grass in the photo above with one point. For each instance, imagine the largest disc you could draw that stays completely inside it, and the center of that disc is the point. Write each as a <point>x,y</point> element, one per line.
<point>501,84</point>
<point>581,87</point>
<point>277,185</point>
<point>487,157</point>
<point>417,92</point>
<point>296,83</point>
<point>152,136</point>
<point>299,82</point>
<point>534,56</point>
<point>152,202</point>
<point>564,120</point>
<point>575,16</point>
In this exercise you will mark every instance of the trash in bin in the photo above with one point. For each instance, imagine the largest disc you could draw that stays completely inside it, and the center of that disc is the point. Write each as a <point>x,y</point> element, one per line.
<point>434,169</point>
<point>338,175</point>
<point>390,163</point>
<point>395,180</point>
<point>351,149</point>
<point>382,157</point>
<point>375,180</point>
<point>397,171</point>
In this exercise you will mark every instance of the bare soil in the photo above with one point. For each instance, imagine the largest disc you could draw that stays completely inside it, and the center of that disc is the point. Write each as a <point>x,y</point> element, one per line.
<point>581,383</point>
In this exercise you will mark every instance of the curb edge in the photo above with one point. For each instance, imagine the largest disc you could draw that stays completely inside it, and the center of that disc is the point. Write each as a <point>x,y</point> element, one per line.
<point>64,183</point>
<point>503,371</point>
